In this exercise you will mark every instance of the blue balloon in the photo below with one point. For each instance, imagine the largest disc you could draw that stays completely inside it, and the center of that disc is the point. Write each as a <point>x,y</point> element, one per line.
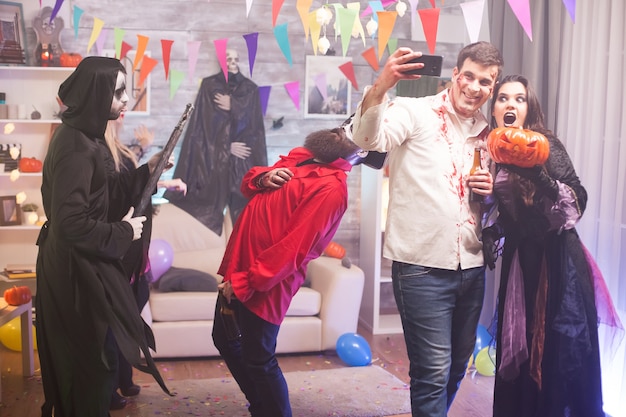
<point>483,339</point>
<point>354,350</point>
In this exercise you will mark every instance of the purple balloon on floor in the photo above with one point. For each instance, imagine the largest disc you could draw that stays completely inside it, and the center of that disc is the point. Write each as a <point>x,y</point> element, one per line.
<point>354,350</point>
<point>161,256</point>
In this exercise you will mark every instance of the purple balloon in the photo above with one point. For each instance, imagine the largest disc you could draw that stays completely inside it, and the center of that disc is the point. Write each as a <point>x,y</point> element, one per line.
<point>161,256</point>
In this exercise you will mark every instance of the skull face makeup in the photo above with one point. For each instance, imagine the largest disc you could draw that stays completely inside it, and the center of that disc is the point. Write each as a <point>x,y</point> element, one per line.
<point>232,61</point>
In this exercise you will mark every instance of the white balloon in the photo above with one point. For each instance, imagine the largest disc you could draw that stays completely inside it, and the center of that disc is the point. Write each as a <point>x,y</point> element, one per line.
<point>401,8</point>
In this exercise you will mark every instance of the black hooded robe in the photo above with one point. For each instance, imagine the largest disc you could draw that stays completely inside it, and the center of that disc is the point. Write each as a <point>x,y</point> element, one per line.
<point>84,302</point>
<point>213,175</point>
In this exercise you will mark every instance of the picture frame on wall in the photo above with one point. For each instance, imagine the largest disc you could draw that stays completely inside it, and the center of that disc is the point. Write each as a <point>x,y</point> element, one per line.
<point>327,90</point>
<point>138,95</point>
<point>10,213</point>
<point>12,34</point>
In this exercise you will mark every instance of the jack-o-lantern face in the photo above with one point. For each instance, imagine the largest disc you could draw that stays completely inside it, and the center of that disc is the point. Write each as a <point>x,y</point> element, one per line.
<point>522,147</point>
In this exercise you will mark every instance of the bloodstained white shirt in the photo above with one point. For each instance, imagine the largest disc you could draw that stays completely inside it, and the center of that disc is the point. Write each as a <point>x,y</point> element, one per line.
<point>430,219</point>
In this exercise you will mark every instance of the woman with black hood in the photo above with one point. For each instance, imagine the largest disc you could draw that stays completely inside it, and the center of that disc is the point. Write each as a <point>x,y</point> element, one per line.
<point>84,304</point>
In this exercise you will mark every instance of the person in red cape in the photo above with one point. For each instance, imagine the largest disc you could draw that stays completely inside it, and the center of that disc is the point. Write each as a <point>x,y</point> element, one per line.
<point>295,208</point>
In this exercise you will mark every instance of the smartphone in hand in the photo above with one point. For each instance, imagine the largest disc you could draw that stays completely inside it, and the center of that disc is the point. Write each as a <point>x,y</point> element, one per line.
<point>432,65</point>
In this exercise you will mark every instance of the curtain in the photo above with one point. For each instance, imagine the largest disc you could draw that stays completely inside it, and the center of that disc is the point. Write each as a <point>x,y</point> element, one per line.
<point>578,71</point>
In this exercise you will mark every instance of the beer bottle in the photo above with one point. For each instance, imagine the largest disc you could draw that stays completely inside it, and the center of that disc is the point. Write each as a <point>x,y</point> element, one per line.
<point>475,166</point>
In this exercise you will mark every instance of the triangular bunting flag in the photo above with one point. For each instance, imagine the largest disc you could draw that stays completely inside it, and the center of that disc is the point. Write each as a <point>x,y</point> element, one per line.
<point>386,21</point>
<point>280,33</point>
<point>357,29</point>
<point>147,65</point>
<point>176,79</point>
<point>432,3</point>
<point>78,12</point>
<point>101,40</point>
<point>430,22</point>
<point>276,5</point>
<point>570,5</point>
<point>303,7</point>
<point>124,50</point>
<point>521,9</point>
<point>118,36</point>
<point>166,51</point>
<point>55,9</point>
<point>315,29</point>
<point>264,96</point>
<point>98,24</point>
<point>142,42</point>
<point>346,18</point>
<point>370,57</point>
<point>220,51</point>
<point>321,84</point>
<point>473,15</point>
<point>252,40</point>
<point>348,71</point>
<point>392,45</point>
<point>193,49</point>
<point>293,89</point>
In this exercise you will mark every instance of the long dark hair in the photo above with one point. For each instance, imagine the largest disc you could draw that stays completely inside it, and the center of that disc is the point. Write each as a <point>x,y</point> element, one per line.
<point>534,117</point>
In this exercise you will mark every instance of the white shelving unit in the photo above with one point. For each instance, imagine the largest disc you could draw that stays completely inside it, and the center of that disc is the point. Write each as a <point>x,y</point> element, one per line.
<point>378,311</point>
<point>36,88</point>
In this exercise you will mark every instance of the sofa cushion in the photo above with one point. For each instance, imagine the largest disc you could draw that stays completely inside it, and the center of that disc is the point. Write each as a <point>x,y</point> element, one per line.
<point>185,279</point>
<point>183,306</point>
<point>306,302</point>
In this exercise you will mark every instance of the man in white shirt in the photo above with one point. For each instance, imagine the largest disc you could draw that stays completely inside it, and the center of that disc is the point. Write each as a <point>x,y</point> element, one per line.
<point>433,230</point>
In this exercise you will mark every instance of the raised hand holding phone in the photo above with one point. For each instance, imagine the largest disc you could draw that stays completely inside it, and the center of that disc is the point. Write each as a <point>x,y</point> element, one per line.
<point>432,65</point>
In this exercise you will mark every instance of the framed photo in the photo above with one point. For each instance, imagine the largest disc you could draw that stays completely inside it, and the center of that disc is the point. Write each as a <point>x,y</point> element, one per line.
<point>138,95</point>
<point>10,213</point>
<point>12,34</point>
<point>327,90</point>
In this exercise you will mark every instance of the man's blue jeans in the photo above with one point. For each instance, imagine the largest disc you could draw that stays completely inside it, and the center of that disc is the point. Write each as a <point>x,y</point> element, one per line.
<point>252,362</point>
<point>440,310</point>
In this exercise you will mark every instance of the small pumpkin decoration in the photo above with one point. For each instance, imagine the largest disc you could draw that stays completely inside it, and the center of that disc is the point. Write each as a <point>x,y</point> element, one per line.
<point>70,59</point>
<point>521,147</point>
<point>17,296</point>
<point>335,250</point>
<point>30,165</point>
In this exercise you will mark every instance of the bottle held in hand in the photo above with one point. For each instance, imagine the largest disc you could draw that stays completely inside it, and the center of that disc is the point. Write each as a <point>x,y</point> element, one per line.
<point>228,318</point>
<point>475,166</point>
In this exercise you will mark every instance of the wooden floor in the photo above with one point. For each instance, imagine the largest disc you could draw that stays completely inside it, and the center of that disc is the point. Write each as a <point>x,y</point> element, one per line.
<point>22,397</point>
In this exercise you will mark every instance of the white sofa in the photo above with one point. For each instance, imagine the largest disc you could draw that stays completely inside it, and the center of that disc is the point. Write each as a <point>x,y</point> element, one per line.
<point>182,321</point>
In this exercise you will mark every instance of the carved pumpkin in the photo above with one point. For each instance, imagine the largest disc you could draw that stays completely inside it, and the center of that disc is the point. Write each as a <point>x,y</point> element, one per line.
<point>70,59</point>
<point>30,165</point>
<point>521,147</point>
<point>335,250</point>
<point>17,296</point>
